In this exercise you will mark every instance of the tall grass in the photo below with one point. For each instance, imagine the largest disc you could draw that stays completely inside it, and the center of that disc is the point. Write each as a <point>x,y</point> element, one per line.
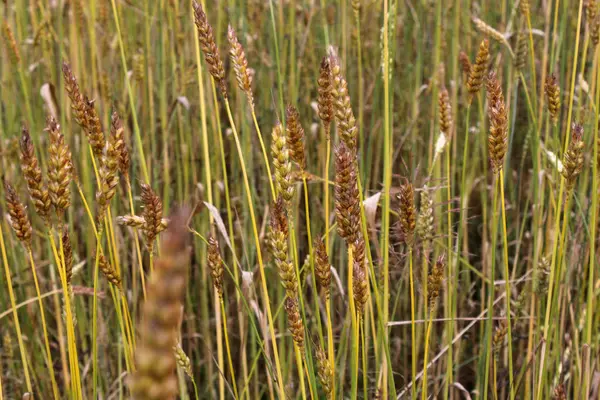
<point>421,222</point>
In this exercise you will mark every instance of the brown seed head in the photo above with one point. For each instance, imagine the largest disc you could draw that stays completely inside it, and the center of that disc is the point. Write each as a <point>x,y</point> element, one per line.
<point>360,288</point>
<point>445,113</point>
<point>344,115</point>
<point>408,213</point>
<point>325,88</point>
<point>559,392</point>
<point>68,253</point>
<point>18,216</point>
<point>33,176</point>
<point>322,266</point>
<point>324,371</point>
<point>84,112</point>
<point>60,168</point>
<point>296,327</point>
<point>111,274</point>
<point>573,158</point>
<point>498,116</point>
<point>215,263</point>
<point>240,64</point>
<point>347,201</point>
<point>465,63</point>
<point>155,377</point>
<point>282,165</point>
<point>295,136</point>
<point>13,49</point>
<point>435,279</point>
<point>121,149</point>
<point>553,97</point>
<point>477,72</point>
<point>152,214</point>
<point>209,48</point>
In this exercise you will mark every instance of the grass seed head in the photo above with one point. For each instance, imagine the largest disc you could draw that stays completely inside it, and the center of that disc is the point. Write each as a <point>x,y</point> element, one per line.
<point>183,360</point>
<point>240,64</point>
<point>18,215</point>
<point>347,202</point>
<point>109,272</point>
<point>445,113</point>
<point>109,168</point>
<point>324,371</point>
<point>60,168</point>
<point>282,165</point>
<point>344,115</point>
<point>38,192</point>
<point>573,158</point>
<point>215,263</point>
<point>279,248</point>
<point>118,139</point>
<point>295,136</point>
<point>465,63</point>
<point>360,288</point>
<point>553,97</point>
<point>522,47</point>
<point>209,48</point>
<point>325,89</point>
<point>434,280</point>
<point>68,253</point>
<point>478,69</point>
<point>152,214</point>
<point>322,266</point>
<point>155,377</point>
<point>408,213</point>
<point>498,116</point>
<point>296,326</point>
<point>424,226</point>
<point>13,49</point>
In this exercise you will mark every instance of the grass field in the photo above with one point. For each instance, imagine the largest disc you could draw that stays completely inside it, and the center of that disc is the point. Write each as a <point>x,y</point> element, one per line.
<point>299,199</point>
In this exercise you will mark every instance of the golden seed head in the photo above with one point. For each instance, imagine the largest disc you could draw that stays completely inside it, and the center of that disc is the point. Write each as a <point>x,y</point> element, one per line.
<point>296,327</point>
<point>499,335</point>
<point>360,288</point>
<point>18,216</point>
<point>209,48</point>
<point>282,165</point>
<point>13,49</point>
<point>109,272</point>
<point>344,115</point>
<point>407,213</point>
<point>279,248</point>
<point>553,97</point>
<point>295,136</point>
<point>60,167</point>
<point>498,116</point>
<point>522,47</point>
<point>445,113</point>
<point>322,266</point>
<point>573,158</point>
<point>435,279</point>
<point>424,225</point>
<point>325,88</point>
<point>183,360</point>
<point>152,214</point>
<point>109,167</point>
<point>155,377</point>
<point>477,71</point>
<point>524,7</point>
<point>240,64</point>
<point>131,220</point>
<point>38,192</point>
<point>324,370</point>
<point>347,201</point>
<point>93,128</point>
<point>215,263</point>
<point>487,30</point>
